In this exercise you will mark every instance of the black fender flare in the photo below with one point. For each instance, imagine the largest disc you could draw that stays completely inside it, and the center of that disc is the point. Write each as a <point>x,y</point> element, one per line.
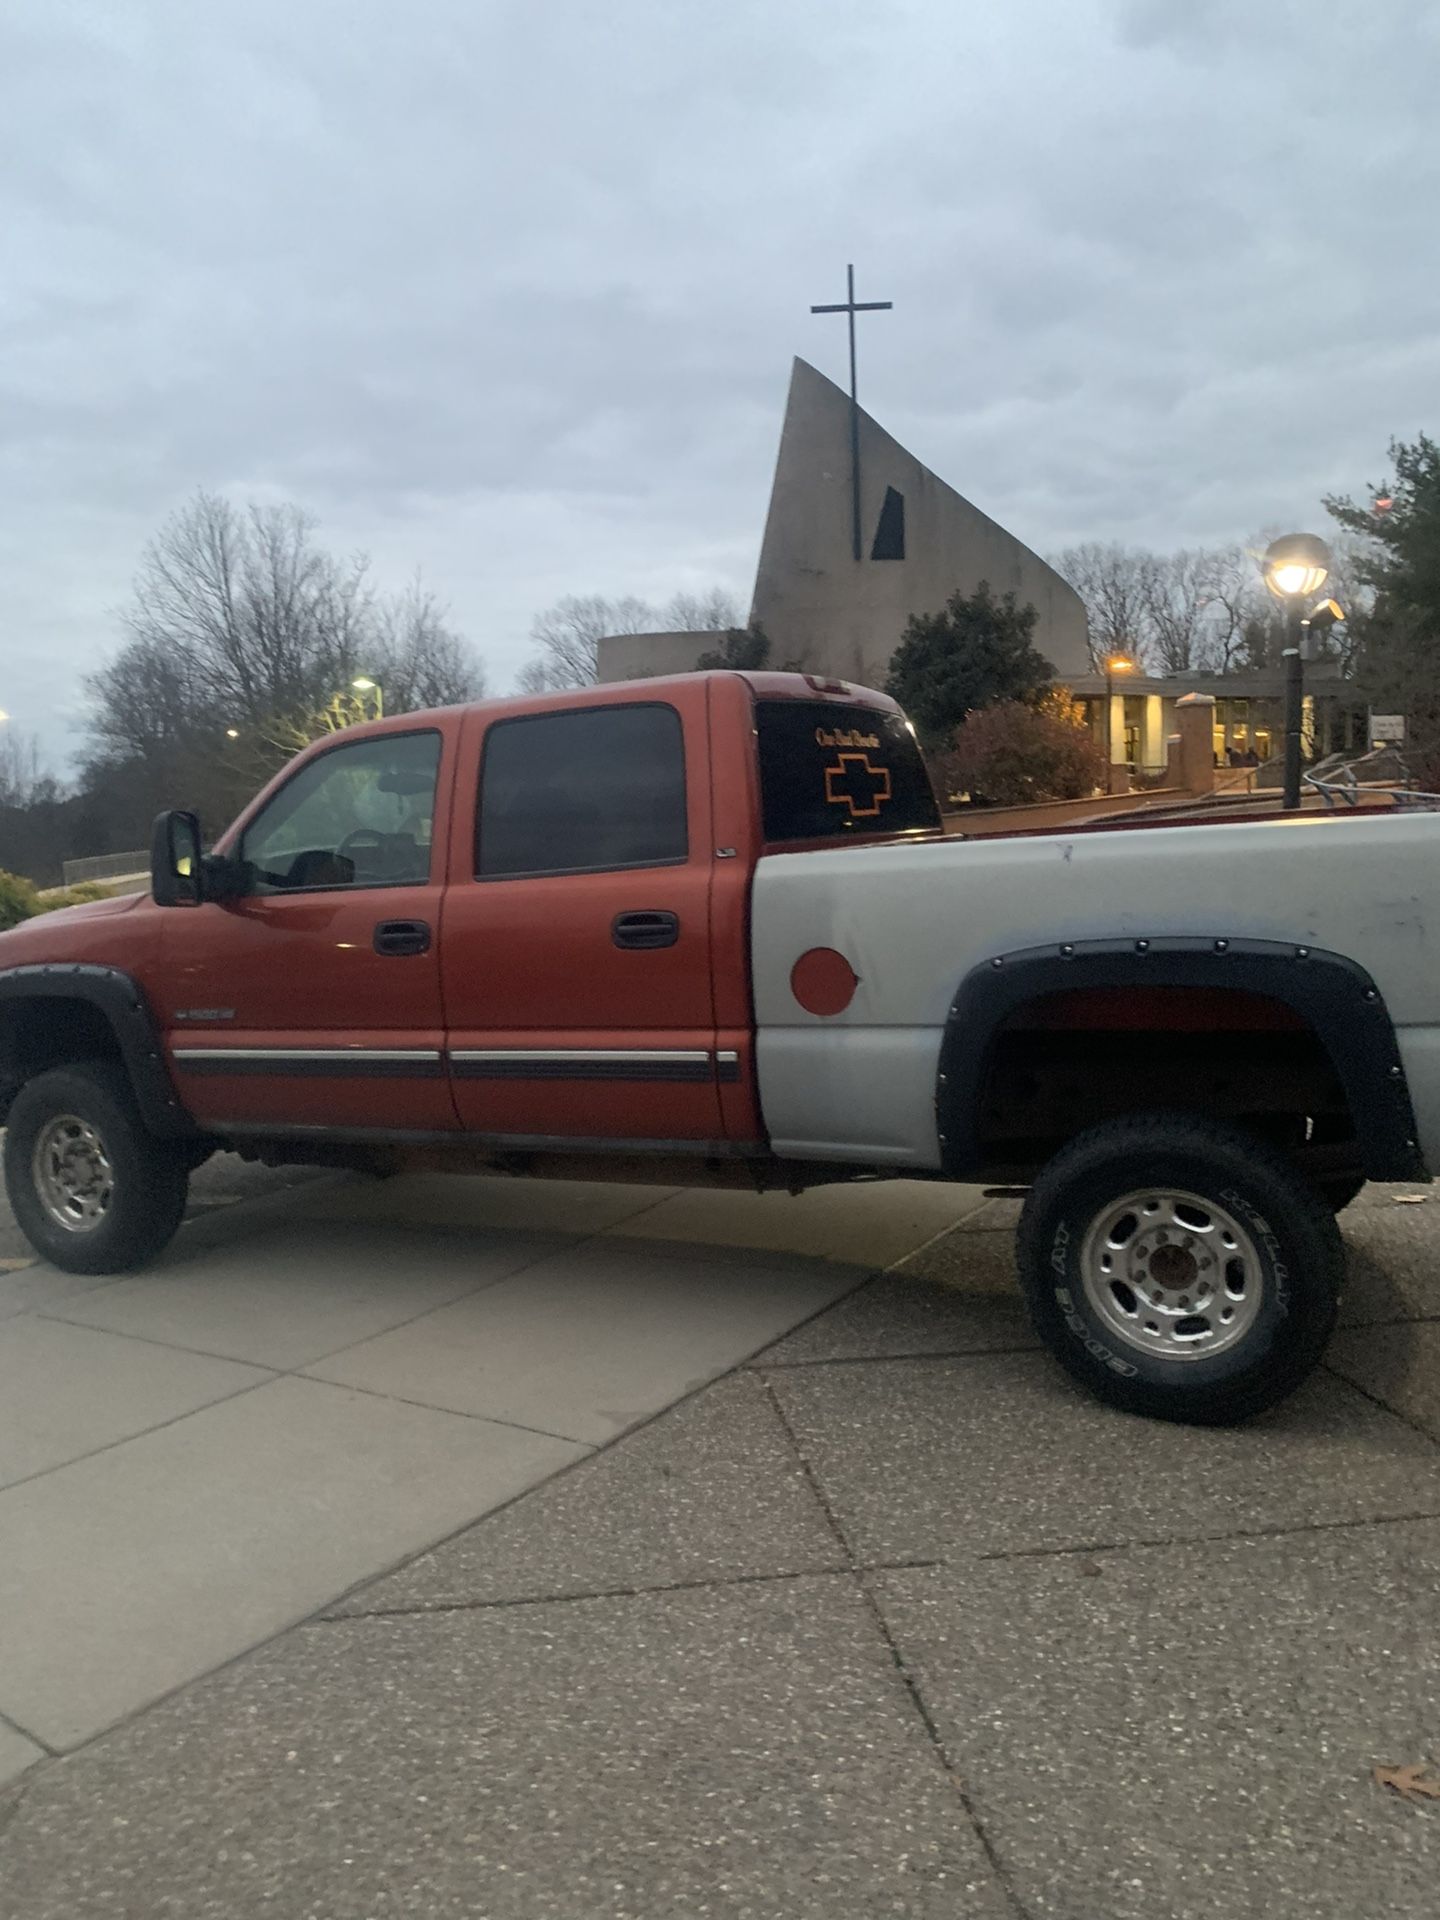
<point>1334,996</point>
<point>122,1001</point>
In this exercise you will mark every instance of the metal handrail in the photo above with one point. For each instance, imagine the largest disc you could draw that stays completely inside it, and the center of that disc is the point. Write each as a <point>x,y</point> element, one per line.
<point>105,866</point>
<point>1349,789</point>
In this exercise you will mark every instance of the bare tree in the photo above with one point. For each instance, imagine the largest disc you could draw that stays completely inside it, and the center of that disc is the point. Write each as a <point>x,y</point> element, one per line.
<point>534,677</point>
<point>418,659</point>
<point>715,611</point>
<point>1113,582</point>
<point>243,638</point>
<point>256,615</point>
<point>1176,596</point>
<point>1231,594</point>
<point>240,618</point>
<point>25,780</point>
<point>1349,586</point>
<point>568,634</point>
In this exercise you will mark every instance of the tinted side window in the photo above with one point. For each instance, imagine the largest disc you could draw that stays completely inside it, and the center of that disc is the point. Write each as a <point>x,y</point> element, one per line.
<point>828,770</point>
<point>576,792</point>
<point>358,816</point>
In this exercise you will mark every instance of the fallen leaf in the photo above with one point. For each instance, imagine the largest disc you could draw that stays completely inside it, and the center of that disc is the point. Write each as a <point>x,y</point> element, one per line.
<point>1411,1199</point>
<point>15,1266</point>
<point>1411,1783</point>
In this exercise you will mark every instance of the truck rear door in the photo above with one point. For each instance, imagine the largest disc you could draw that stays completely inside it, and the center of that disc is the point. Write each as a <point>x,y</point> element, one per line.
<point>576,953</point>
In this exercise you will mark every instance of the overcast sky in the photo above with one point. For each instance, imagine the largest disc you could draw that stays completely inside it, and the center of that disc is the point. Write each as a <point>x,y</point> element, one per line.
<point>508,289</point>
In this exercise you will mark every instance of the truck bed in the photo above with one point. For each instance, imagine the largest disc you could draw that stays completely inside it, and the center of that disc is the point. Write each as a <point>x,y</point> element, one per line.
<point>914,920</point>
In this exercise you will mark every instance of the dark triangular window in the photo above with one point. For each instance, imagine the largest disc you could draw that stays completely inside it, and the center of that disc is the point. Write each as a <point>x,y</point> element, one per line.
<point>890,534</point>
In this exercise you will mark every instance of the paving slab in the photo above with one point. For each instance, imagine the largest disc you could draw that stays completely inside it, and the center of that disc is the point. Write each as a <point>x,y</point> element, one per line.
<point>16,1754</point>
<point>28,1285</point>
<point>722,1252</point>
<point>1393,1259</point>
<point>864,1223</point>
<point>487,1201</point>
<point>971,1258</point>
<point>920,1459</point>
<point>711,1489</point>
<point>1000,1213</point>
<point>1400,1365</point>
<point>896,1314</point>
<point>590,1342</point>
<point>748,1753</point>
<point>1189,1731</point>
<point>65,1391</point>
<point>126,1573</point>
<point>302,1289</point>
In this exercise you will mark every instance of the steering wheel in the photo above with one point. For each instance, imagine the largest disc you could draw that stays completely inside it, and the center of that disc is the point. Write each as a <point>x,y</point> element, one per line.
<point>367,839</point>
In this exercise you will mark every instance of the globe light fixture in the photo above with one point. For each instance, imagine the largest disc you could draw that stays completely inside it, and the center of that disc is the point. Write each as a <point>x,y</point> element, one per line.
<point>1295,566</point>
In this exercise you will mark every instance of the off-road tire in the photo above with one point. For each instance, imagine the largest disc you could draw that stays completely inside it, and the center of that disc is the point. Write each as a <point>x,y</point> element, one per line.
<point>1299,1259</point>
<point>150,1176</point>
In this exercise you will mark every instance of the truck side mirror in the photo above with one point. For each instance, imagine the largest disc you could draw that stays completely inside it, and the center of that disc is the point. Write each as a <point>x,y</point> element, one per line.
<point>176,870</point>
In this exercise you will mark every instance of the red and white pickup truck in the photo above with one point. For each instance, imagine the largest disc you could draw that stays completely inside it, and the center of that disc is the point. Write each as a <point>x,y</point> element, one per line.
<point>709,928</point>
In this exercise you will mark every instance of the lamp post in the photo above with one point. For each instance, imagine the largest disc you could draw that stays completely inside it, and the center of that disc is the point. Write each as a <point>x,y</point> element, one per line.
<point>362,684</point>
<point>1295,566</point>
<point>1114,663</point>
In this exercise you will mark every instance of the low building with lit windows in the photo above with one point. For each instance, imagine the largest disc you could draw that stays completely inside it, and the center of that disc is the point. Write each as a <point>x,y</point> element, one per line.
<point>1249,715</point>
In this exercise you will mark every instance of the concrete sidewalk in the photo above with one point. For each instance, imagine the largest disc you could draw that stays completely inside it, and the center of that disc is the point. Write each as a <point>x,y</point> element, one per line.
<point>320,1381</point>
<point>888,1621</point>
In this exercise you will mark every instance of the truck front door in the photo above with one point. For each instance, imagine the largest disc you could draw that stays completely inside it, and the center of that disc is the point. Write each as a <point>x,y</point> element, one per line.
<point>575,957</point>
<point>313,999</point>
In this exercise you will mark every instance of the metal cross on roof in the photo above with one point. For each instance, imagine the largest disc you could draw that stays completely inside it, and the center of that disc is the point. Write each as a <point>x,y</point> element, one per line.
<point>851,306</point>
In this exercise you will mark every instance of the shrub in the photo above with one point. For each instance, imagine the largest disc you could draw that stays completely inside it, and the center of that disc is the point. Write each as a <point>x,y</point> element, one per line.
<point>1015,752</point>
<point>18,900</point>
<point>976,650</point>
<point>76,896</point>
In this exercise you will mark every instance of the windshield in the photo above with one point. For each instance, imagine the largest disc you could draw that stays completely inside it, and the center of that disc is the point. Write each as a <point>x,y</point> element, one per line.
<point>827,771</point>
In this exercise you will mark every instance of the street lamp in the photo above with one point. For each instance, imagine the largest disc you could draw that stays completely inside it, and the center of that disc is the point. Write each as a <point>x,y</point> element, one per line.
<point>1295,566</point>
<point>362,683</point>
<point>1114,663</point>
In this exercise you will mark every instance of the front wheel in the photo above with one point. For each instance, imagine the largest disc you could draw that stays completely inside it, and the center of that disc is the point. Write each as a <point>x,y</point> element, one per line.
<point>92,1189</point>
<point>1180,1268</point>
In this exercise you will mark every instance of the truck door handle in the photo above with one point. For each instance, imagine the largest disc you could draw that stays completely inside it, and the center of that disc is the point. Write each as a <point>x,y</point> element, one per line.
<point>402,936</point>
<point>645,929</point>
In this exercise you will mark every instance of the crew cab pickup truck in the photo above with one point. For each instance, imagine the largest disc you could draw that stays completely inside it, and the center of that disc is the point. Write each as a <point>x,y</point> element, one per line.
<point>710,929</point>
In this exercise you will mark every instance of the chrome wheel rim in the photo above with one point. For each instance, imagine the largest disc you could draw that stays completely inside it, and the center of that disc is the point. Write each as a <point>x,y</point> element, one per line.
<point>1172,1274</point>
<point>73,1175</point>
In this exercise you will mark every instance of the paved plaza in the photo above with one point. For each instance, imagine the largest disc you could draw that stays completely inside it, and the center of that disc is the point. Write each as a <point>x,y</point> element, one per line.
<point>495,1548</point>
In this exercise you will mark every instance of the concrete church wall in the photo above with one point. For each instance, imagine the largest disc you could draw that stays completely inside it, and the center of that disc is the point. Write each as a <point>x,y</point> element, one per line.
<point>845,618</point>
<point>842,618</point>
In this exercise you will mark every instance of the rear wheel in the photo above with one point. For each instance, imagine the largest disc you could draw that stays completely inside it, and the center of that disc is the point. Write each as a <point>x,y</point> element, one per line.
<point>1180,1268</point>
<point>92,1189</point>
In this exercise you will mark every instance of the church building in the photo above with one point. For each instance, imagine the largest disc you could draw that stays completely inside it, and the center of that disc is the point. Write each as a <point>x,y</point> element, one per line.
<point>920,540</point>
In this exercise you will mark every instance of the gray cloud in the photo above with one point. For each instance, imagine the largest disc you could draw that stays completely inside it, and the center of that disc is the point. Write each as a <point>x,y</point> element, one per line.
<point>510,289</point>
